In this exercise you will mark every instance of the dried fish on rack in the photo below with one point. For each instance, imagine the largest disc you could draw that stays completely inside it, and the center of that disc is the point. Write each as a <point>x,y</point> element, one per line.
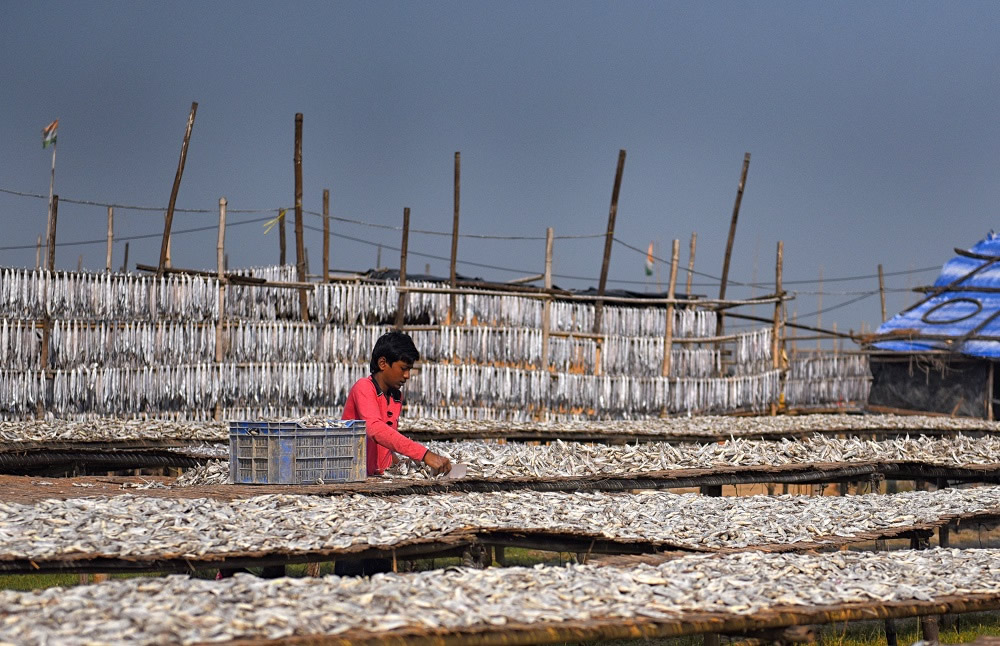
<point>128,526</point>
<point>827,378</point>
<point>182,609</point>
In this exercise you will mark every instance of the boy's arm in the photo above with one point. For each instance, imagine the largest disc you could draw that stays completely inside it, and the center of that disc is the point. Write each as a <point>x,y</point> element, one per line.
<point>386,435</point>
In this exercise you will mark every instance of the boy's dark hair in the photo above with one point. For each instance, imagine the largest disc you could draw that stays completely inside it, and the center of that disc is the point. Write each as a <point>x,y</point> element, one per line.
<point>394,346</point>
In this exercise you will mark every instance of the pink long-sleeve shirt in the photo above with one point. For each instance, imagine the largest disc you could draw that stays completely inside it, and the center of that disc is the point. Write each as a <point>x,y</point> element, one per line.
<point>381,412</point>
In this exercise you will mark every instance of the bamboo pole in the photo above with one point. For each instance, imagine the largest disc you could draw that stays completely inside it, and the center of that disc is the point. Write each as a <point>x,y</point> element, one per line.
<point>819,307</point>
<point>79,264</point>
<point>125,259</point>
<point>694,241</point>
<point>732,236</point>
<point>50,243</point>
<point>300,254</point>
<point>668,338</point>
<point>776,330</point>
<point>547,306</point>
<point>454,237</point>
<point>401,307</point>
<point>281,238</point>
<point>173,191</point>
<point>881,290</point>
<point>111,236</point>
<point>608,239</point>
<point>220,255</point>
<point>326,235</point>
<point>50,263</point>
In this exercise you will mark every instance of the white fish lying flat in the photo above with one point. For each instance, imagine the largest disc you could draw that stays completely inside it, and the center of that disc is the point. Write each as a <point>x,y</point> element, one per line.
<point>179,609</point>
<point>145,526</point>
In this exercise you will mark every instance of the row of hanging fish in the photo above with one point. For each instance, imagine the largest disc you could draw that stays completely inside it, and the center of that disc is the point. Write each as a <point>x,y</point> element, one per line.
<point>132,343</point>
<point>38,293</point>
<point>310,385</point>
<point>826,378</point>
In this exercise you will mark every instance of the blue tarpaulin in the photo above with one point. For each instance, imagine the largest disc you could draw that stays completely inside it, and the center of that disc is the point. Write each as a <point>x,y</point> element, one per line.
<point>958,316</point>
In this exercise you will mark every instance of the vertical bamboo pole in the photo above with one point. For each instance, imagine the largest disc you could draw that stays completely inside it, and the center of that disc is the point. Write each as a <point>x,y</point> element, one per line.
<point>79,263</point>
<point>111,236</point>
<point>125,259</point>
<point>668,337</point>
<point>220,256</point>
<point>401,307</point>
<point>608,239</point>
<point>720,327</point>
<point>281,238</point>
<point>454,239</point>
<point>50,243</point>
<point>326,235</point>
<point>300,254</point>
<point>819,309</point>
<point>881,290</point>
<point>173,192</point>
<point>776,330</point>
<point>378,258</point>
<point>167,263</point>
<point>547,307</point>
<point>694,241</point>
<point>38,252</point>
<point>50,264</point>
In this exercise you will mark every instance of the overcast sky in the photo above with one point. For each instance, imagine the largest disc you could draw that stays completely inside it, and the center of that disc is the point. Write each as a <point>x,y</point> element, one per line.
<point>873,129</point>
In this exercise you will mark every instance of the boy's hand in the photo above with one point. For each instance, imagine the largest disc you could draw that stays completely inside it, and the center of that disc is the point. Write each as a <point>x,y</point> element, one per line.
<point>438,463</point>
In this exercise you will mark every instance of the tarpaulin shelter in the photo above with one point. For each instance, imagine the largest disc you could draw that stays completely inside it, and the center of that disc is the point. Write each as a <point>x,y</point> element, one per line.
<point>939,354</point>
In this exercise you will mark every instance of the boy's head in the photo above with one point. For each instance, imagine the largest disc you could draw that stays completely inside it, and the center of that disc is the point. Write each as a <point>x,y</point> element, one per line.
<point>393,347</point>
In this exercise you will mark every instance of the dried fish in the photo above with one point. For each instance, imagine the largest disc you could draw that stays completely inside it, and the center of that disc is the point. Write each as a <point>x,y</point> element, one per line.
<point>180,609</point>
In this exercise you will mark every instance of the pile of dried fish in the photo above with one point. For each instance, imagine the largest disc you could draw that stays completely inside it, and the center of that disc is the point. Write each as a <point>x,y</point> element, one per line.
<point>568,459</point>
<point>215,472</point>
<point>111,429</point>
<point>712,428</point>
<point>179,609</point>
<point>142,526</point>
<point>717,426</point>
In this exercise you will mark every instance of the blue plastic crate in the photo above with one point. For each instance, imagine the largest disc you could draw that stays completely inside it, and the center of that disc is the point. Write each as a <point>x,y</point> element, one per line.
<point>289,453</point>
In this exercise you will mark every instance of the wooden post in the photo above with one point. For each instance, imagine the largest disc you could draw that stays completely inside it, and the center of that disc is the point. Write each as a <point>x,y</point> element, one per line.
<point>50,263</point>
<point>173,191</point>
<point>547,306</point>
<point>111,236</point>
<point>401,307</point>
<point>454,239</point>
<point>220,256</point>
<point>668,338</point>
<point>608,239</point>
<point>300,254</point>
<point>281,238</point>
<point>694,241</point>
<point>776,330</point>
<point>125,260</point>
<point>50,243</point>
<point>881,291</point>
<point>326,235</point>
<point>38,252</point>
<point>720,327</point>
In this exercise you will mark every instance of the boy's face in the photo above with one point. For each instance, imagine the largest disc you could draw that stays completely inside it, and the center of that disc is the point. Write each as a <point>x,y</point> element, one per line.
<point>394,374</point>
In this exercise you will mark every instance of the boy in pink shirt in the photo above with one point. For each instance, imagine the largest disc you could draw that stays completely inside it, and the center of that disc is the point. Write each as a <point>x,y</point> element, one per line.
<point>378,400</point>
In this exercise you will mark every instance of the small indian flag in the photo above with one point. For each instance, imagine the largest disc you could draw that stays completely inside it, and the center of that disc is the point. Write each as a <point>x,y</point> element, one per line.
<point>649,260</point>
<point>49,134</point>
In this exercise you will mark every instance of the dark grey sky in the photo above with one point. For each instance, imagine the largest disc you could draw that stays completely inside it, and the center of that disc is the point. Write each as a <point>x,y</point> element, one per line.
<point>873,128</point>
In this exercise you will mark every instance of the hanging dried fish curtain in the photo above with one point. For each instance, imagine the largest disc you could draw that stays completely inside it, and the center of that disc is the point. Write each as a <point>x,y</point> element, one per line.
<point>34,294</point>
<point>828,379</point>
<point>477,385</point>
<point>752,351</point>
<point>572,316</point>
<point>19,345</point>
<point>78,342</point>
<point>694,323</point>
<point>572,354</point>
<point>20,391</point>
